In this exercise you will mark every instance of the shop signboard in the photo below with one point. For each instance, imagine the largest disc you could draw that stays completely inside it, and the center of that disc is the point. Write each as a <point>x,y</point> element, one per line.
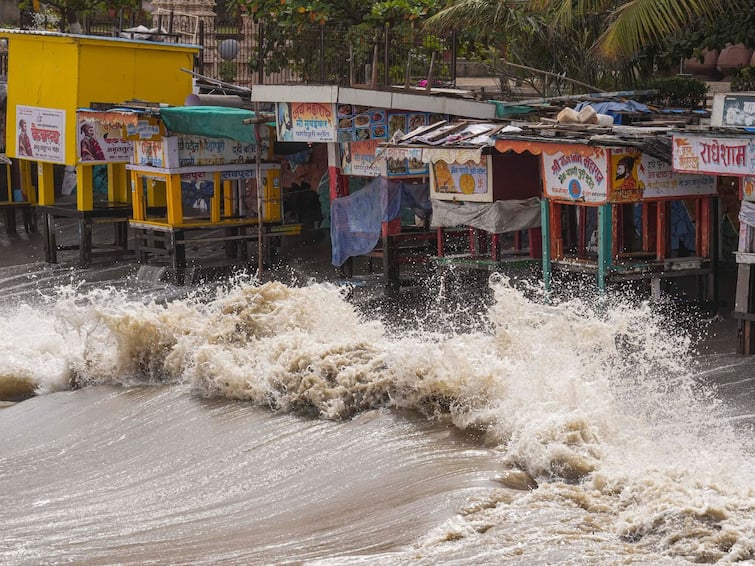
<point>41,133</point>
<point>404,162</point>
<point>358,159</point>
<point>305,121</point>
<point>468,181</point>
<point>716,155</point>
<point>636,176</point>
<point>576,173</point>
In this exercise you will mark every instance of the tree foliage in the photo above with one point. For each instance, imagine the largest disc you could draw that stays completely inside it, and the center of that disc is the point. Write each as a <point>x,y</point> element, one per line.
<point>70,10</point>
<point>291,30</point>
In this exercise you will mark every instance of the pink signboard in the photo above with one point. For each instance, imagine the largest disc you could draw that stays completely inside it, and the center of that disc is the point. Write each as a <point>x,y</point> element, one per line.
<point>710,154</point>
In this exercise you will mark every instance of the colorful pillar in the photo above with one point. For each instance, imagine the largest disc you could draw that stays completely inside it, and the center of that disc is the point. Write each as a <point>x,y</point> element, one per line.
<point>605,244</point>
<point>546,239</point>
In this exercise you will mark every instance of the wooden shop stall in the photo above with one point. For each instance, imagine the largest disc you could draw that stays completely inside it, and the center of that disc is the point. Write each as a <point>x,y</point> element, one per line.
<point>493,196</point>
<point>354,123</point>
<point>197,185</point>
<point>727,148</point>
<point>607,208</point>
<point>51,78</point>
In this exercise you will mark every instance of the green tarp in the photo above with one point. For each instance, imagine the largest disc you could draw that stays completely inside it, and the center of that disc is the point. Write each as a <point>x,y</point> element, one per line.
<point>506,109</point>
<point>210,121</point>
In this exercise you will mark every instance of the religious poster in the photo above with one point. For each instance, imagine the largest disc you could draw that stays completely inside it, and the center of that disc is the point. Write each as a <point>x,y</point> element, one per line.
<point>748,188</point>
<point>358,159</point>
<point>305,121</point>
<point>100,139</point>
<point>461,181</point>
<point>715,155</point>
<point>626,182</point>
<point>576,173</point>
<point>40,133</point>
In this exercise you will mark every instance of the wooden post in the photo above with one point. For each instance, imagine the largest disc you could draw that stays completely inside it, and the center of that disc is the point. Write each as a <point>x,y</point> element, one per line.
<point>138,204</point>
<point>605,244</point>
<point>46,184</point>
<point>545,224</point>
<point>117,184</point>
<point>429,84</point>
<point>174,201</point>
<point>84,187</point>
<point>260,190</point>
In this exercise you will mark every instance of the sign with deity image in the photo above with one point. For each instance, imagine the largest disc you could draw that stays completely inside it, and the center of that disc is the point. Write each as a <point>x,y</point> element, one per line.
<point>468,181</point>
<point>576,173</point>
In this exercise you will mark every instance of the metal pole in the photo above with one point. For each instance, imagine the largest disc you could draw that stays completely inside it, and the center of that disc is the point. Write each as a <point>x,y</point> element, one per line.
<point>258,175</point>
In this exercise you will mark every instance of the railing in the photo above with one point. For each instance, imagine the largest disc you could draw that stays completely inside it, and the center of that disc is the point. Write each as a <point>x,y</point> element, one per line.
<point>318,55</point>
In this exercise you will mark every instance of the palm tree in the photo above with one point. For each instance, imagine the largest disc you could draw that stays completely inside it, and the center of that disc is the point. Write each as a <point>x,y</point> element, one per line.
<point>630,25</point>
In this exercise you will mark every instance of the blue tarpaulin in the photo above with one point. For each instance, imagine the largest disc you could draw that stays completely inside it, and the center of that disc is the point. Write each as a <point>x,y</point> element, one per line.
<point>356,220</point>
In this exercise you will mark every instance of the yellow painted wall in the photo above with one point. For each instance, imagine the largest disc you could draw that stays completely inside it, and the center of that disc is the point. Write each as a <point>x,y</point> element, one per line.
<point>68,72</point>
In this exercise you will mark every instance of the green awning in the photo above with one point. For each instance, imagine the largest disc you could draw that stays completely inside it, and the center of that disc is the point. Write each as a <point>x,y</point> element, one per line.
<point>506,109</point>
<point>210,121</point>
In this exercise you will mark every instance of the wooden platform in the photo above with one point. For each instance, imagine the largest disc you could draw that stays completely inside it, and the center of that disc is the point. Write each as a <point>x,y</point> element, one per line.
<point>116,214</point>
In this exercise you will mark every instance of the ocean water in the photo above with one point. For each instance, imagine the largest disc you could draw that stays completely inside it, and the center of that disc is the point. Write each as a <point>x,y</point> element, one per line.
<point>239,422</point>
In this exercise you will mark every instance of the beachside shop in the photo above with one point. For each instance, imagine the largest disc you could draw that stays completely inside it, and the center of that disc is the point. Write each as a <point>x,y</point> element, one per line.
<point>727,149</point>
<point>354,123</point>
<point>51,78</point>
<point>204,166</point>
<point>607,211</point>
<point>491,197</point>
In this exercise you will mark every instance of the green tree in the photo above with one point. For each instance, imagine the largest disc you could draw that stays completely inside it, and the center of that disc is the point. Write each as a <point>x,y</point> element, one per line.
<point>71,10</point>
<point>291,30</point>
<point>631,25</point>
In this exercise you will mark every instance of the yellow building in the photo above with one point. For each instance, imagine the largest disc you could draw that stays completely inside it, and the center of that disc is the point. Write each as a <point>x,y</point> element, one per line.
<point>51,75</point>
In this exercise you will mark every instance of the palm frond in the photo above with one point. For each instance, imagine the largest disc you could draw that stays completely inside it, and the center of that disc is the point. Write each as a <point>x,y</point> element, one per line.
<point>636,23</point>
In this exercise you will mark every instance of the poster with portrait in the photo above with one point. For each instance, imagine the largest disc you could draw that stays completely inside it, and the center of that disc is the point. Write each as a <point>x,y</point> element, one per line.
<point>358,159</point>
<point>305,121</point>
<point>100,139</point>
<point>40,133</point>
<point>638,176</point>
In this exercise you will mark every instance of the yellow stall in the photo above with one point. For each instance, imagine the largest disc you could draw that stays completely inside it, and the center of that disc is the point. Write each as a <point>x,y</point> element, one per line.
<point>51,78</point>
<point>197,185</point>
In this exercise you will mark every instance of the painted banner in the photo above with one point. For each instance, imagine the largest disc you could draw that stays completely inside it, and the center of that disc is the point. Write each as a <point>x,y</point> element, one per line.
<point>461,181</point>
<point>404,162</point>
<point>41,133</point>
<point>200,150</point>
<point>358,159</point>
<point>577,174</point>
<point>747,185</point>
<point>661,181</point>
<point>101,140</point>
<point>715,155</point>
<point>162,153</point>
<point>305,121</point>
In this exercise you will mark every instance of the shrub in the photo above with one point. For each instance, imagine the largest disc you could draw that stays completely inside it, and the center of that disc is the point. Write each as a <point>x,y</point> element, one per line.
<point>677,92</point>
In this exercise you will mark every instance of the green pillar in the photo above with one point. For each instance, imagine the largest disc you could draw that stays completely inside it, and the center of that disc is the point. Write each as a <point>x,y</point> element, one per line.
<point>605,244</point>
<point>545,228</point>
